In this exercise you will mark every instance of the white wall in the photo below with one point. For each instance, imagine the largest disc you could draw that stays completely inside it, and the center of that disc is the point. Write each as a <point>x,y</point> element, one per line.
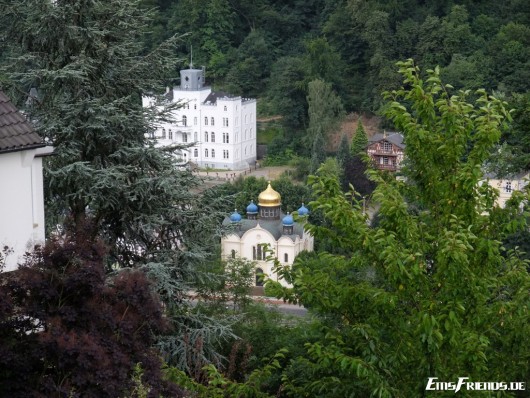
<point>21,203</point>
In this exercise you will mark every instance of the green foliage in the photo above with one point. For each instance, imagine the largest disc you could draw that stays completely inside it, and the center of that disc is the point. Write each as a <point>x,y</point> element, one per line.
<point>230,283</point>
<point>325,109</point>
<point>431,287</point>
<point>359,141</point>
<point>318,152</point>
<point>87,62</point>
<point>219,386</point>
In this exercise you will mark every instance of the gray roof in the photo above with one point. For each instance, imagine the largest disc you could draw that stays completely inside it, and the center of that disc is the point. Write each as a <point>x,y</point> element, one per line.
<point>395,138</point>
<point>275,227</point>
<point>16,133</point>
<point>214,95</point>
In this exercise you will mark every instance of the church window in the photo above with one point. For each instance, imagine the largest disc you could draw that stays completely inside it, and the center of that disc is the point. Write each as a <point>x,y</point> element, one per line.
<point>259,252</point>
<point>285,258</point>
<point>259,277</point>
<point>233,254</point>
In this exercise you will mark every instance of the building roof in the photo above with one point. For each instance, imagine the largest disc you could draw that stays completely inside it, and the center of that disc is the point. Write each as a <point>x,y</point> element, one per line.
<point>16,133</point>
<point>275,227</point>
<point>212,98</point>
<point>395,138</point>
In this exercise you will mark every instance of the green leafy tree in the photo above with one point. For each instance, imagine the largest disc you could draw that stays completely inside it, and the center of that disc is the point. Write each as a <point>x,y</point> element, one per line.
<point>431,287</point>
<point>325,109</point>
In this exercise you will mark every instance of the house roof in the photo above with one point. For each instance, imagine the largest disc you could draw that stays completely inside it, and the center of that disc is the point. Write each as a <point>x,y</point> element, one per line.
<point>16,133</point>
<point>395,138</point>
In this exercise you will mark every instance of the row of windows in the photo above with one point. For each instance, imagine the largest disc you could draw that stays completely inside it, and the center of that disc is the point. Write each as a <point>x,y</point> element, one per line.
<point>211,136</point>
<point>211,153</point>
<point>285,256</point>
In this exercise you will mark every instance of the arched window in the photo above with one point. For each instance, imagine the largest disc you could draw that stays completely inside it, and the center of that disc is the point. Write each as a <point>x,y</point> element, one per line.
<point>225,108</point>
<point>206,153</point>
<point>205,136</point>
<point>184,137</point>
<point>213,153</point>
<point>233,254</point>
<point>163,133</point>
<point>259,277</point>
<point>184,121</point>
<point>213,136</point>
<point>285,258</point>
<point>196,153</point>
<point>205,120</point>
<point>170,134</point>
<point>212,121</point>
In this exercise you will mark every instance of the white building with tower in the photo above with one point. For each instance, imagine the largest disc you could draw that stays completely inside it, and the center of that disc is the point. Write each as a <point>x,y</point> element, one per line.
<point>266,234</point>
<point>220,127</point>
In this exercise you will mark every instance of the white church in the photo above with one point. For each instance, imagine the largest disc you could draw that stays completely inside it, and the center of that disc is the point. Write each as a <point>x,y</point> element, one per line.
<point>265,234</point>
<point>221,127</point>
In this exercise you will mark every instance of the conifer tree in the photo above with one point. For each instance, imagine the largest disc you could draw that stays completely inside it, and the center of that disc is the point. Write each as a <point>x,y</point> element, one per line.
<point>85,59</point>
<point>343,153</point>
<point>359,141</point>
<point>318,152</point>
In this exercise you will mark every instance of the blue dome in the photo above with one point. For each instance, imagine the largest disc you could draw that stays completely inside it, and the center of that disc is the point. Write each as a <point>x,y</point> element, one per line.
<point>252,208</point>
<point>288,220</point>
<point>235,217</point>
<point>303,211</point>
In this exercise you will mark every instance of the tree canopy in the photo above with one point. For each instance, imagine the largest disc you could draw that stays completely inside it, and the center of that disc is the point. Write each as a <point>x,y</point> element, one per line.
<point>430,291</point>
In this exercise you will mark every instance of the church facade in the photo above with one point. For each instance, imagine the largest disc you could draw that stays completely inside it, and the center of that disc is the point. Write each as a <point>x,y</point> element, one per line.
<point>219,127</point>
<point>265,234</point>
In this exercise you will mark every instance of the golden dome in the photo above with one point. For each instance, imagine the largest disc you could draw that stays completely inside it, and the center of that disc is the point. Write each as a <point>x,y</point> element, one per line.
<point>269,197</point>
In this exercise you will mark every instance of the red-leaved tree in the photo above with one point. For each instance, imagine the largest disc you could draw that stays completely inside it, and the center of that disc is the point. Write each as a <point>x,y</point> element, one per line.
<point>66,330</point>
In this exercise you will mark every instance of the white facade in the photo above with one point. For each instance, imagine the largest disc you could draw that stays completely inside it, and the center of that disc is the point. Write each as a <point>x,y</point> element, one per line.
<point>507,186</point>
<point>21,202</point>
<point>285,249</point>
<point>221,128</point>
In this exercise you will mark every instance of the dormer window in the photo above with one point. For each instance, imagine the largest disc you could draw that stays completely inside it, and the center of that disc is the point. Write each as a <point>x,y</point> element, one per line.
<point>387,146</point>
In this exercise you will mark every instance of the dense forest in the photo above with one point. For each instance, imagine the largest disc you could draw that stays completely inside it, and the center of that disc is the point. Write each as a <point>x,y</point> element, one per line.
<point>273,50</point>
<point>129,297</point>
